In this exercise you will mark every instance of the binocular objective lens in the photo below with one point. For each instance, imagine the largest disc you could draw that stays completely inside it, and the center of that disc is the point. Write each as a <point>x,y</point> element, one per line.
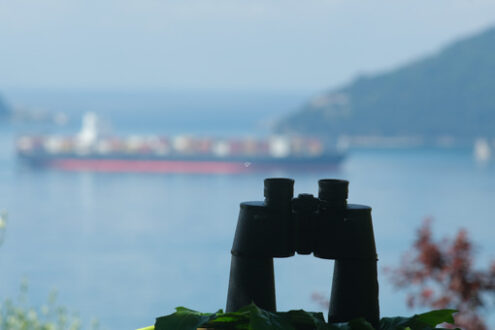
<point>333,190</point>
<point>278,190</point>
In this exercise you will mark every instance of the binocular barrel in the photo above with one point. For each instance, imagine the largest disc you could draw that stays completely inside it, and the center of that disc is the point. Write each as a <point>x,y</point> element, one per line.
<point>326,226</point>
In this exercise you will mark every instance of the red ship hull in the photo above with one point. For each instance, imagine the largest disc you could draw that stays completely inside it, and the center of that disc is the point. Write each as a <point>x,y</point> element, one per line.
<point>176,166</point>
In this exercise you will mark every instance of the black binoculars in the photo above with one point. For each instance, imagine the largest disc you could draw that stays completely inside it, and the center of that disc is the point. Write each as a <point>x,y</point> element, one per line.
<point>326,226</point>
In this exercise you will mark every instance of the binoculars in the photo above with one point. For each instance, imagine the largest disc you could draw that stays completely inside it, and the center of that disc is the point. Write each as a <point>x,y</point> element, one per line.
<point>326,226</point>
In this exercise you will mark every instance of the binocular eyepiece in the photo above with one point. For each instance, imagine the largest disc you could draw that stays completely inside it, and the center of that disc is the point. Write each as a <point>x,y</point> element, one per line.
<point>326,226</point>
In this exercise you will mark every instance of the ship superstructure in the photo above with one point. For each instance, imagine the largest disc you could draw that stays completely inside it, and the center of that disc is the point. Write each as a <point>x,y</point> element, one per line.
<point>91,151</point>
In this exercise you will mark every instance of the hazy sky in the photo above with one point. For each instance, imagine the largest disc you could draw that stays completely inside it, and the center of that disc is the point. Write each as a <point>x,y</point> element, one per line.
<point>219,44</point>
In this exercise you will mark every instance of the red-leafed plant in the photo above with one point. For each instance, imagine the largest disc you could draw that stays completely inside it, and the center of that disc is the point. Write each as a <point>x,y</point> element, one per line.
<point>441,274</point>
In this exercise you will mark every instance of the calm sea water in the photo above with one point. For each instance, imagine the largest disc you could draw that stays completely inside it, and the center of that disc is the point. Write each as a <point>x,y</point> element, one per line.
<point>125,248</point>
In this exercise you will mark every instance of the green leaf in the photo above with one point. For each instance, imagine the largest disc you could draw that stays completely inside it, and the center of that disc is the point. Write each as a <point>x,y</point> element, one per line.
<point>393,323</point>
<point>360,324</point>
<point>261,319</point>
<point>234,320</point>
<point>423,321</point>
<point>357,324</point>
<point>434,318</point>
<point>303,320</point>
<point>252,317</point>
<point>183,319</point>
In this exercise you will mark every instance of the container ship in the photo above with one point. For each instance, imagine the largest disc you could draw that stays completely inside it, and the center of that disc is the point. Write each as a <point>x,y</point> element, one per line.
<point>89,150</point>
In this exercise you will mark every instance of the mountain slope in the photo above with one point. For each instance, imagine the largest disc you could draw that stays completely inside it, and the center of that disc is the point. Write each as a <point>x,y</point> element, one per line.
<point>449,94</point>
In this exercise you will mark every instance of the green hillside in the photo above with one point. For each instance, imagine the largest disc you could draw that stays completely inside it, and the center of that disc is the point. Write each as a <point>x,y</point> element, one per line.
<point>451,93</point>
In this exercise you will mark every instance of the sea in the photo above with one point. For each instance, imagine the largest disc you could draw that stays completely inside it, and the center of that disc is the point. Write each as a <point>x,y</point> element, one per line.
<point>127,248</point>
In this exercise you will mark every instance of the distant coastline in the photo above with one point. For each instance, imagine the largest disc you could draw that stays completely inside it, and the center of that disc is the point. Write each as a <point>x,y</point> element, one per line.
<point>446,99</point>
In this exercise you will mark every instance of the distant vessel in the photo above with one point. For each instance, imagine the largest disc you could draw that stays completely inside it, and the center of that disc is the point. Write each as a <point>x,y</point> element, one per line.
<point>3,225</point>
<point>482,150</point>
<point>90,151</point>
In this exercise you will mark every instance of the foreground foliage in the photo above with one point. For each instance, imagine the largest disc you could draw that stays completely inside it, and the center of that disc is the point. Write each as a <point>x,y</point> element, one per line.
<point>19,315</point>
<point>254,318</point>
<point>442,274</point>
